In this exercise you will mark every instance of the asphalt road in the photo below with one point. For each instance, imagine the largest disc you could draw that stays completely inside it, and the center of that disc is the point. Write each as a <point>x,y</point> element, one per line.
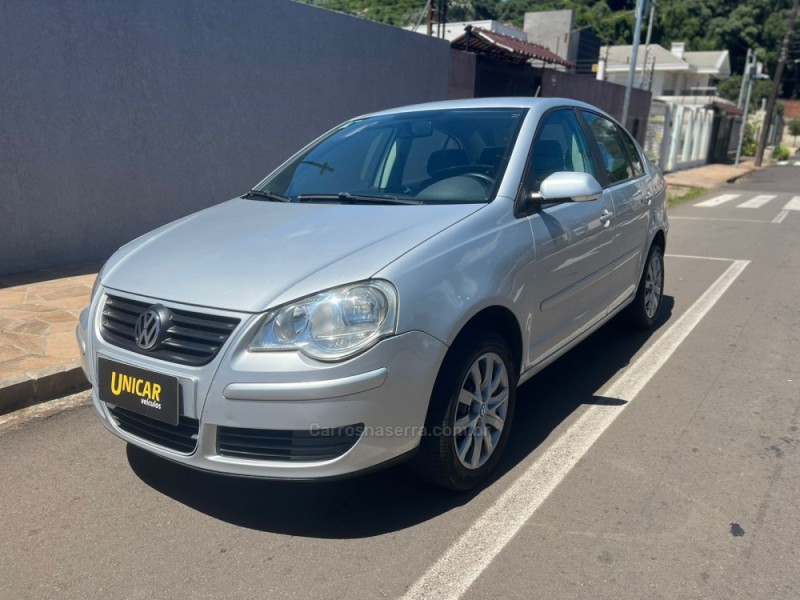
<point>659,466</point>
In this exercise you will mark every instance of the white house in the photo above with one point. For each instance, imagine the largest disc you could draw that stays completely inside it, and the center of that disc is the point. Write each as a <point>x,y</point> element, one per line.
<point>456,29</point>
<point>681,124</point>
<point>672,72</point>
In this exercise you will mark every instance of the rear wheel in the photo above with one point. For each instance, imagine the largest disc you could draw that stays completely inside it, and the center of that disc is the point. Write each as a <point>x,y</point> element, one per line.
<point>644,309</point>
<point>470,415</point>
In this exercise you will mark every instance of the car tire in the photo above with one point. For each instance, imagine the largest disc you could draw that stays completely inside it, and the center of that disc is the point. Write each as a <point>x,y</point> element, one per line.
<point>470,414</point>
<point>644,310</point>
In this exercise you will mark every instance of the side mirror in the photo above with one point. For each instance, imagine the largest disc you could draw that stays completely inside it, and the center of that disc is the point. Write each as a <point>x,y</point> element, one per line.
<point>567,186</point>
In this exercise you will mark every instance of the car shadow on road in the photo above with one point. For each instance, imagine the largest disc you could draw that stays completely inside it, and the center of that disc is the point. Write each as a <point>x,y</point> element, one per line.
<point>393,499</point>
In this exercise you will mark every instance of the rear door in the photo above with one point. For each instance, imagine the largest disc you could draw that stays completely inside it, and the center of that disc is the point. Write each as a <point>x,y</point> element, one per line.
<point>627,182</point>
<point>572,241</point>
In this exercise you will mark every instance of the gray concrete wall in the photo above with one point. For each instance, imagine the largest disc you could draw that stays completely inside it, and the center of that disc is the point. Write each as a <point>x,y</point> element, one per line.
<point>121,115</point>
<point>551,29</point>
<point>604,95</point>
<point>462,74</point>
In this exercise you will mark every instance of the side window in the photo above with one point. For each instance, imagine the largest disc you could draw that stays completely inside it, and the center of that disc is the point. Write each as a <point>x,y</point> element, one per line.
<point>559,146</point>
<point>633,154</point>
<point>612,151</point>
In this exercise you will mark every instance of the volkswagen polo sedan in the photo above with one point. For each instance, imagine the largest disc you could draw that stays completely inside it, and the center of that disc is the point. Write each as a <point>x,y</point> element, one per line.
<point>380,296</point>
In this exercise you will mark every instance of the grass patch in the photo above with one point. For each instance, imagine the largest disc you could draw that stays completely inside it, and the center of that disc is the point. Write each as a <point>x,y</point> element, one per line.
<point>690,194</point>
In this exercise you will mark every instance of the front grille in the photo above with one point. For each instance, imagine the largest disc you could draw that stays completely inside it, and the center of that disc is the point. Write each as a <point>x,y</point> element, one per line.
<point>288,445</point>
<point>191,339</point>
<point>181,437</point>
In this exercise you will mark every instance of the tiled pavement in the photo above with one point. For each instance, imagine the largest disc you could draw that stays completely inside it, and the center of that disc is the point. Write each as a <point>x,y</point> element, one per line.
<point>38,314</point>
<point>39,311</point>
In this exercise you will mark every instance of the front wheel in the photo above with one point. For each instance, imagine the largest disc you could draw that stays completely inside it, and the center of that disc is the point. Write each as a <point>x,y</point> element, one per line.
<point>470,415</point>
<point>644,309</point>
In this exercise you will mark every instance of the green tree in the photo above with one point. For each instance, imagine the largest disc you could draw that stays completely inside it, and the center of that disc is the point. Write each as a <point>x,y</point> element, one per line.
<point>794,129</point>
<point>729,88</point>
<point>472,10</point>
<point>734,25</point>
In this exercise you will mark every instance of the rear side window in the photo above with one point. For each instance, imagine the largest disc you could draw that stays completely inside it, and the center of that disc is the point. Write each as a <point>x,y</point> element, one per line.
<point>611,144</point>
<point>633,154</point>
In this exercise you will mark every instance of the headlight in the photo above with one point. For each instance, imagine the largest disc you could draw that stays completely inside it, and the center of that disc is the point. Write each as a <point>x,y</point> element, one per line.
<point>332,325</point>
<point>97,280</point>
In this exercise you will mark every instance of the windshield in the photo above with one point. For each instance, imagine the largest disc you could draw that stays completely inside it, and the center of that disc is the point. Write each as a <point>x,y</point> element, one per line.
<point>437,156</point>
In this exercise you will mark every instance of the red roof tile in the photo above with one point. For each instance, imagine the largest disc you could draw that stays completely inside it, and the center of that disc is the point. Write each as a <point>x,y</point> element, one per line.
<point>506,47</point>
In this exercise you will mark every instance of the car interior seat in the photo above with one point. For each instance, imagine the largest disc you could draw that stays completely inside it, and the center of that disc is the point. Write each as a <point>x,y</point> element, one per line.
<point>490,159</point>
<point>441,160</point>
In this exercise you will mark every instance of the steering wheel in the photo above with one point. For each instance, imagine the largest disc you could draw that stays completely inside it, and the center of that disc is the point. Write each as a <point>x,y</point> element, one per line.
<point>485,179</point>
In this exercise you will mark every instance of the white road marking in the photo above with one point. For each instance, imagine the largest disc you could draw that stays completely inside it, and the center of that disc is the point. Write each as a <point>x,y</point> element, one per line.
<point>698,257</point>
<point>793,204</point>
<point>783,162</point>
<point>456,570</point>
<point>717,200</point>
<point>780,216</point>
<point>677,218</point>
<point>756,201</point>
<point>797,164</point>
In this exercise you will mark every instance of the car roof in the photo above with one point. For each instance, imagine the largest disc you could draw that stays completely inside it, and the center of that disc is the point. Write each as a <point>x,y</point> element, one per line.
<point>542,104</point>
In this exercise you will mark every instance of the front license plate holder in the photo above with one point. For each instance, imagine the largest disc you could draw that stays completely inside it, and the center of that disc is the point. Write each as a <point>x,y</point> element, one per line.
<point>142,391</point>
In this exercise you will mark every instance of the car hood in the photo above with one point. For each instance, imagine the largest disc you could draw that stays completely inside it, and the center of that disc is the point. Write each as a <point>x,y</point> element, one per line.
<point>247,255</point>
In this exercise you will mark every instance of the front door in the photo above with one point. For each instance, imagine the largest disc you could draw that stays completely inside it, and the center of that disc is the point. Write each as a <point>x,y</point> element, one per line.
<point>572,242</point>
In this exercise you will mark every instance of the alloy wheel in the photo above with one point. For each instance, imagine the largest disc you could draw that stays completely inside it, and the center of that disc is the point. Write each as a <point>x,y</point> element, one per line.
<point>480,414</point>
<point>654,280</point>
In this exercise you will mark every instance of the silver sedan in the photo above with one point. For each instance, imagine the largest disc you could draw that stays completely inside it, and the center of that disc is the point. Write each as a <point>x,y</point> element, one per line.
<point>380,296</point>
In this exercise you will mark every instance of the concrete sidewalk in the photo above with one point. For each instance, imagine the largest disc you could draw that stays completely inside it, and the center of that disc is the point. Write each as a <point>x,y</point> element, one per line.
<point>706,177</point>
<point>39,311</point>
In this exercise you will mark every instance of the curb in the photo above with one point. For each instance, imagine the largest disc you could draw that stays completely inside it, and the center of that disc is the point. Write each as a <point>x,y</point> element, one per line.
<point>41,385</point>
<point>735,177</point>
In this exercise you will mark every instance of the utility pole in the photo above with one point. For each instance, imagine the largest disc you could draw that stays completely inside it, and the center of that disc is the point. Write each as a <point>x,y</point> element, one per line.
<point>430,17</point>
<point>637,33</point>
<point>647,41</point>
<point>776,82</point>
<point>743,87</point>
<point>748,80</point>
<point>653,5</point>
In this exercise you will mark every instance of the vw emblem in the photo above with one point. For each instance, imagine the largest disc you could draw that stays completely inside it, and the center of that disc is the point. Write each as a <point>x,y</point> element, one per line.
<point>149,325</point>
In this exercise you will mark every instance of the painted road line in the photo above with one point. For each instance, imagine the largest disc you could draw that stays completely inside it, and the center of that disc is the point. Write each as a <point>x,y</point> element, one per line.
<point>717,200</point>
<point>793,204</point>
<point>456,570</point>
<point>757,201</point>
<point>692,256</point>
<point>780,216</point>
<point>676,218</point>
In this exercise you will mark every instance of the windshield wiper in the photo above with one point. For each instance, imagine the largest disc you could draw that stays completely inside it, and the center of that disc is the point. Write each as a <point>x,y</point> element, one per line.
<point>267,195</point>
<point>347,197</point>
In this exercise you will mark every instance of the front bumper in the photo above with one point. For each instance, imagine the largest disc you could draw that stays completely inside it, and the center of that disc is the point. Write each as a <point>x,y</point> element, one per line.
<point>385,389</point>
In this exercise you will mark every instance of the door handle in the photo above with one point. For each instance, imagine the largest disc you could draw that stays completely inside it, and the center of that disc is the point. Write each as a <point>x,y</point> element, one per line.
<point>606,216</point>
